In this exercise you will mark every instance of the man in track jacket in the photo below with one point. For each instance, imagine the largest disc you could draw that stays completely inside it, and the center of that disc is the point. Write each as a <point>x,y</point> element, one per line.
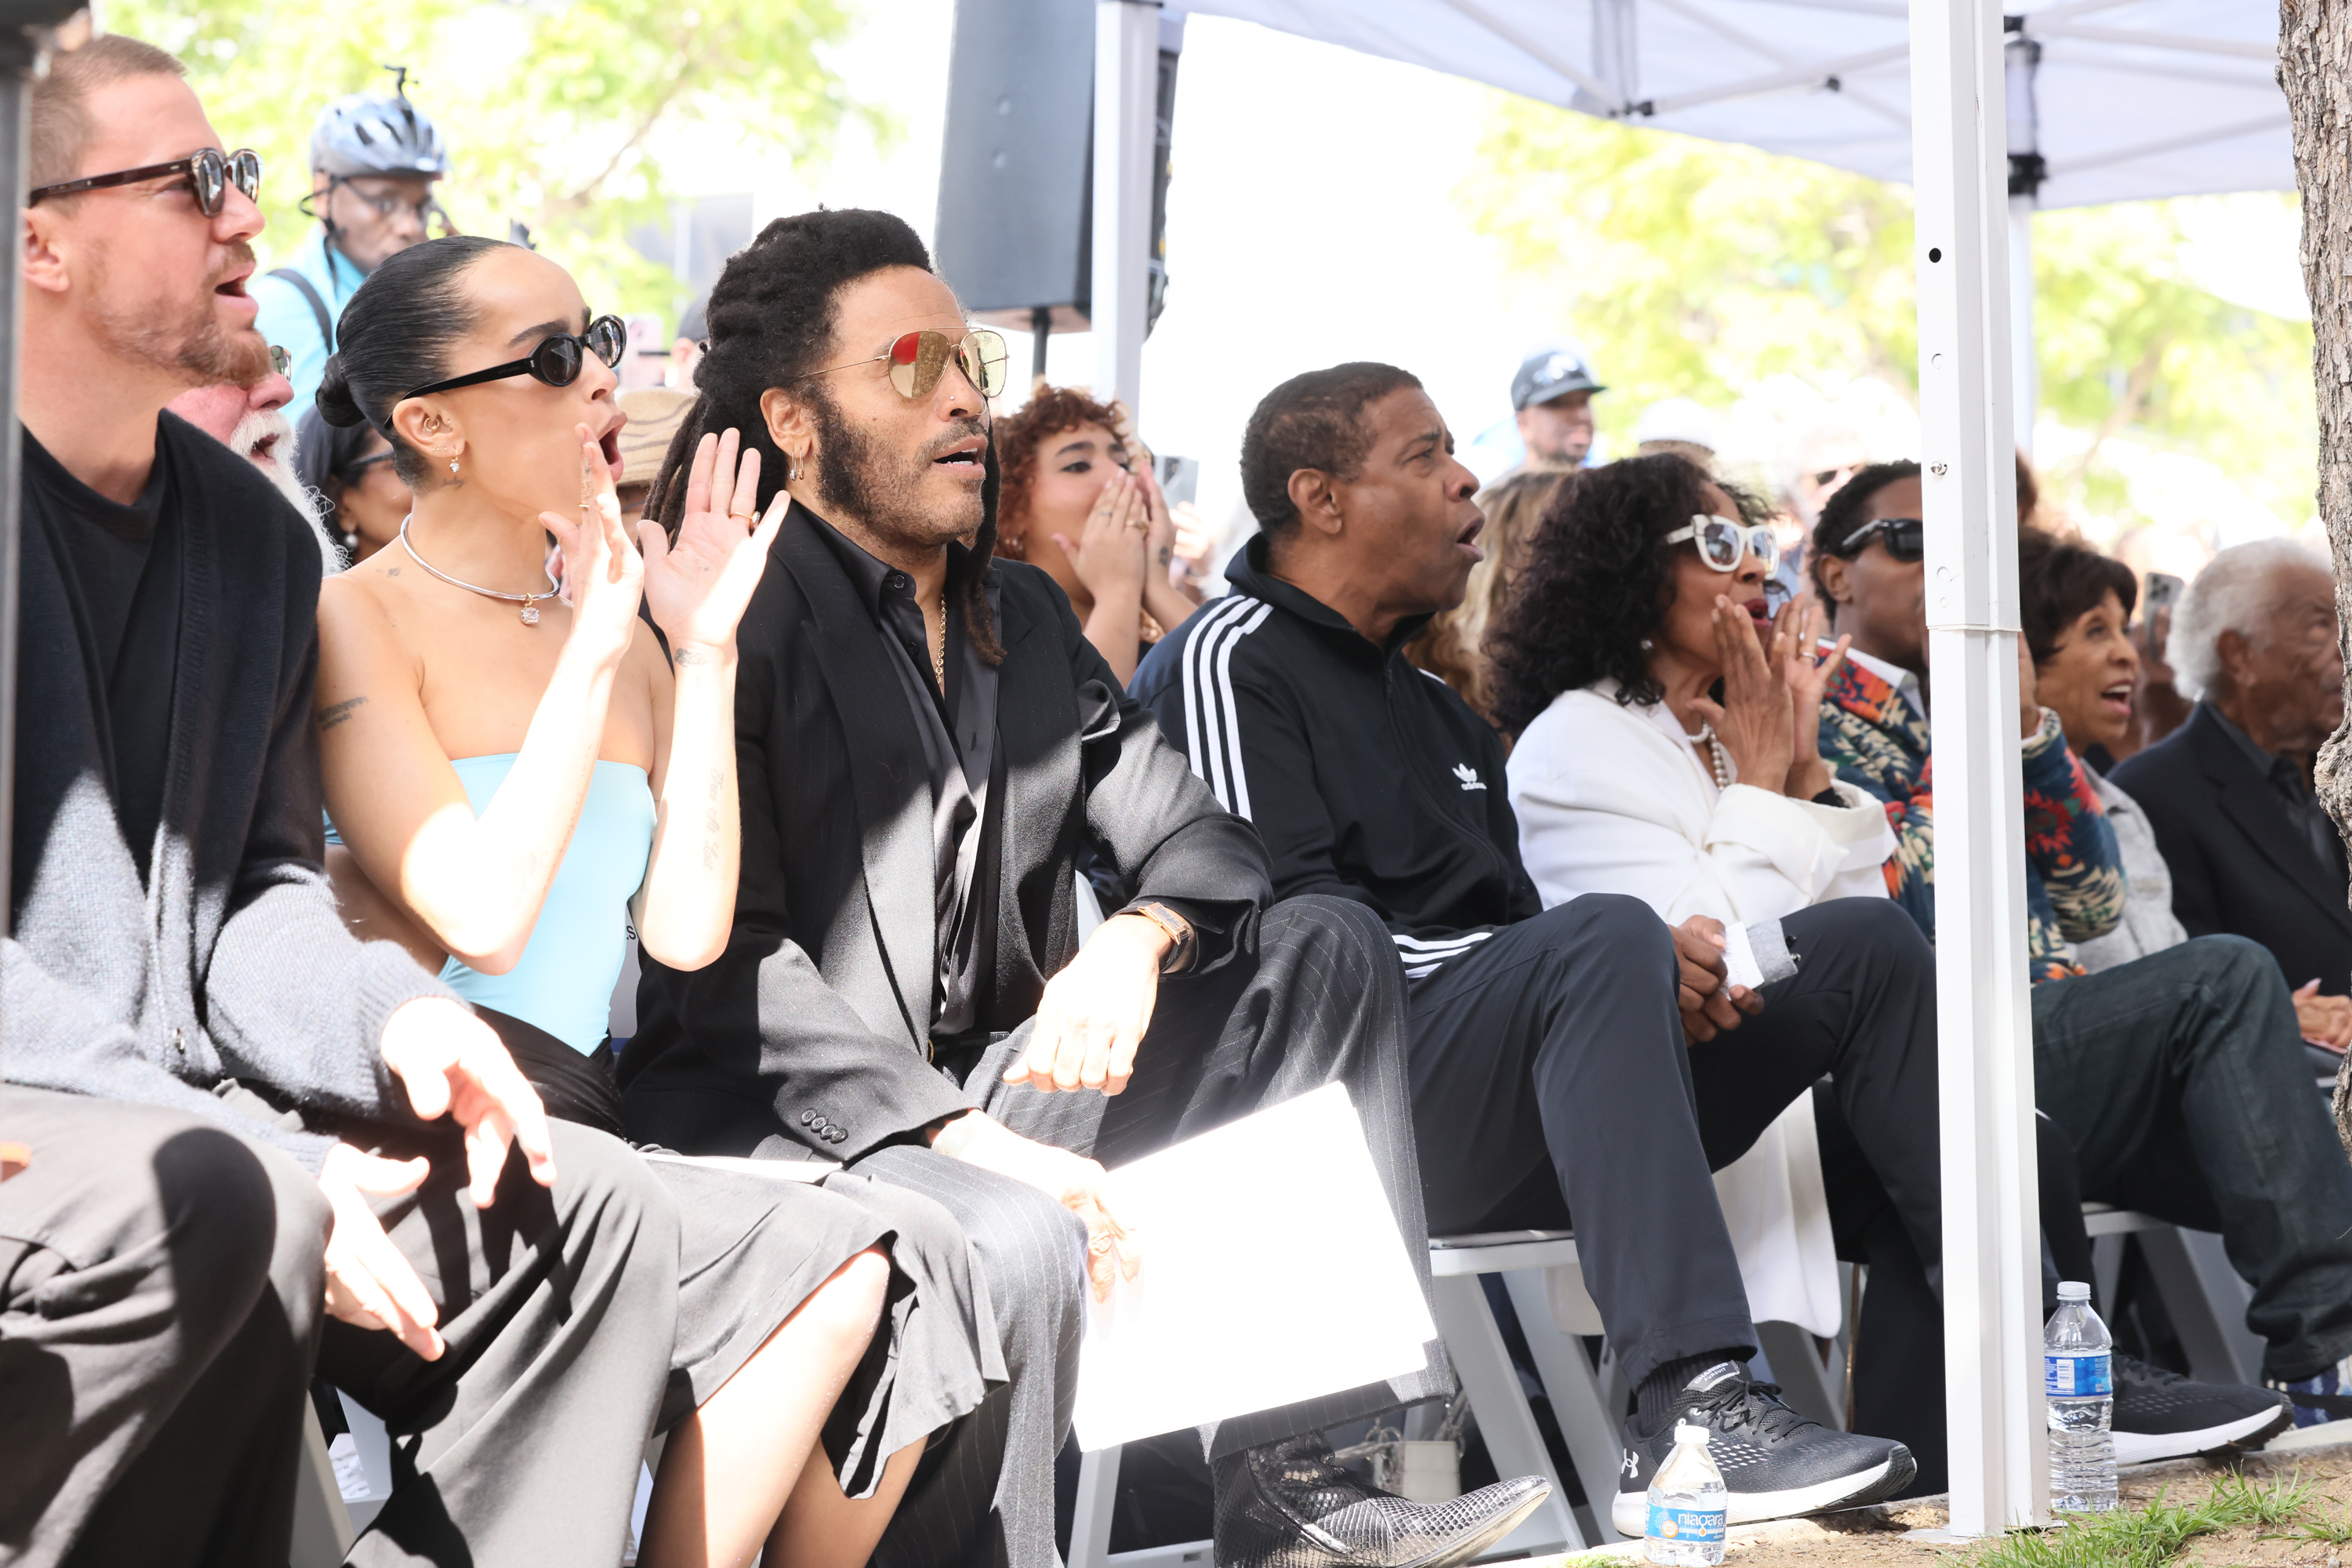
<point>1546,1047</point>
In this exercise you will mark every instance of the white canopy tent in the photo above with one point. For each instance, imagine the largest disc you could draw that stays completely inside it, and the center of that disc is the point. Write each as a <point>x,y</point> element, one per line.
<point>2067,103</point>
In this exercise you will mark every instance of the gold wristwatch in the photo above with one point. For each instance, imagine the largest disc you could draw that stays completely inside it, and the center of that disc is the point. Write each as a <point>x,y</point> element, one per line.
<point>1179,956</point>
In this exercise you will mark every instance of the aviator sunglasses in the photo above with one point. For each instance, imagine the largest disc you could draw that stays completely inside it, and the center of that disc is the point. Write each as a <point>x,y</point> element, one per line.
<point>556,360</point>
<point>210,172</point>
<point>1722,540</point>
<point>1906,538</point>
<point>917,360</point>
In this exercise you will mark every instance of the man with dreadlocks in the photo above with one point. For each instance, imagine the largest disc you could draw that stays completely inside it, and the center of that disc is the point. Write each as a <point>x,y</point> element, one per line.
<point>924,741</point>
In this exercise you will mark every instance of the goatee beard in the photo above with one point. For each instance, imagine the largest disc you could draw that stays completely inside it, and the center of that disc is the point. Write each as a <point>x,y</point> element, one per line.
<point>197,349</point>
<point>858,477</point>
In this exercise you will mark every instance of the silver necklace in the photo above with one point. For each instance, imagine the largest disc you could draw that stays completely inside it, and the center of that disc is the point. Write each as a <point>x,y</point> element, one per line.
<point>529,602</point>
<point>1718,757</point>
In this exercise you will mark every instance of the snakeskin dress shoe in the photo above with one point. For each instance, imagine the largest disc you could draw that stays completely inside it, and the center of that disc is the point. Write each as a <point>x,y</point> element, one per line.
<point>1290,1505</point>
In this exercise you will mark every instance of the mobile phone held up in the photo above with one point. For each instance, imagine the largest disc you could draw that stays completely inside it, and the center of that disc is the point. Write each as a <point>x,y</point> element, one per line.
<point>2163,592</point>
<point>1179,479</point>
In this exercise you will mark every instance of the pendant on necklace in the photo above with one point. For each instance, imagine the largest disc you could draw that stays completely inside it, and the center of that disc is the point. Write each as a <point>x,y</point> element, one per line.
<point>530,614</point>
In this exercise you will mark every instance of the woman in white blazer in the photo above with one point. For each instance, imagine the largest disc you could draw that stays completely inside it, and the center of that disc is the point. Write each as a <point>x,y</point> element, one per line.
<point>1667,749</point>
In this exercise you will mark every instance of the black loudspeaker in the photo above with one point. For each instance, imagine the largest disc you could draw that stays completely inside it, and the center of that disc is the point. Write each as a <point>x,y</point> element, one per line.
<point>1015,225</point>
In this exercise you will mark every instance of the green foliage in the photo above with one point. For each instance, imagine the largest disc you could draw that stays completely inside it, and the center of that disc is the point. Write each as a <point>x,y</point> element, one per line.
<point>549,111</point>
<point>2149,1537</point>
<point>1698,269</point>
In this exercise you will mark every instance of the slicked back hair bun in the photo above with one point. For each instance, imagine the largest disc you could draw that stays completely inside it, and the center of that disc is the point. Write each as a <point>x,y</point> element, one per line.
<point>395,336</point>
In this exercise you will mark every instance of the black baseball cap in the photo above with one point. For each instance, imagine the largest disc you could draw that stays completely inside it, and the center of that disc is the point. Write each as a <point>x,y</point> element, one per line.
<point>1551,373</point>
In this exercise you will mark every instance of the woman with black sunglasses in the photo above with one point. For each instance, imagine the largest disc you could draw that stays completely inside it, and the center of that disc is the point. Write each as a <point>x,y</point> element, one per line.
<point>517,781</point>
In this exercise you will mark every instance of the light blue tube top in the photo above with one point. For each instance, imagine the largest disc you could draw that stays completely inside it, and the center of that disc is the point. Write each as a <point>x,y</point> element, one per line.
<point>563,981</point>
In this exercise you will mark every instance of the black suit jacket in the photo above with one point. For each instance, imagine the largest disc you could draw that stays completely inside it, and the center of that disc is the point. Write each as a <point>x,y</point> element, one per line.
<point>2238,863</point>
<point>813,1022</point>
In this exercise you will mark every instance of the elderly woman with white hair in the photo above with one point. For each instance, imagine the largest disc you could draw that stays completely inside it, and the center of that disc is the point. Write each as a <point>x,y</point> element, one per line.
<point>2231,794</point>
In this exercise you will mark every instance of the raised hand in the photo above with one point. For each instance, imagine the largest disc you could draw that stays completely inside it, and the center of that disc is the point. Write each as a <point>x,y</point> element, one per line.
<point>1807,674</point>
<point>1755,718</point>
<point>2029,705</point>
<point>454,1065</point>
<point>698,584</point>
<point>1108,554</point>
<point>603,573</point>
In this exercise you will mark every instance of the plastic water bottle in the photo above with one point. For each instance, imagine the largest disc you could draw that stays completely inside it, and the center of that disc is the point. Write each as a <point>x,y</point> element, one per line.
<point>2078,1377</point>
<point>1687,1503</point>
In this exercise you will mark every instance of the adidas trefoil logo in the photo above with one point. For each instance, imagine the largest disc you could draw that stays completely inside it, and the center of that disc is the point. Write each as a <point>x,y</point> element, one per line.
<point>1468,776</point>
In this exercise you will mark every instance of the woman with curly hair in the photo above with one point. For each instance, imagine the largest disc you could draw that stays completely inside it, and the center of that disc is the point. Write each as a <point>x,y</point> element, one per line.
<point>1669,722</point>
<point>1078,500</point>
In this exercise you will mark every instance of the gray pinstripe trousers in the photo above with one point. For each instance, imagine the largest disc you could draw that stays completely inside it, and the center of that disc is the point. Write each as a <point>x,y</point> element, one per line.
<point>1323,1003</point>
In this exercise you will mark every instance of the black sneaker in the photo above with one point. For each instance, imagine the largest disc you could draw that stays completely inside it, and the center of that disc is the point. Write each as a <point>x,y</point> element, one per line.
<point>1775,1462</point>
<point>1289,1505</point>
<point>2161,1415</point>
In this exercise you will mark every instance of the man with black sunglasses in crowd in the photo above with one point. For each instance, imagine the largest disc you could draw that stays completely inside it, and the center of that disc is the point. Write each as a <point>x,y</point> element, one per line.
<point>242,1122</point>
<point>2180,1078</point>
<point>375,160</point>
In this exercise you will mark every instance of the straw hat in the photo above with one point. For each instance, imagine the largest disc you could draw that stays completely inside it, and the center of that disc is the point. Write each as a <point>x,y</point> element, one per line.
<point>654,414</point>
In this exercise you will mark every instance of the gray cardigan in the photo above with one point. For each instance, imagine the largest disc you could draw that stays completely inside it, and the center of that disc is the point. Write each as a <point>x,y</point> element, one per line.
<point>233,966</point>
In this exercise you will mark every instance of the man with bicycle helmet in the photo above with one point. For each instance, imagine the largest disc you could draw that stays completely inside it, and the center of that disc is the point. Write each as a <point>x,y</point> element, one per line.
<point>374,161</point>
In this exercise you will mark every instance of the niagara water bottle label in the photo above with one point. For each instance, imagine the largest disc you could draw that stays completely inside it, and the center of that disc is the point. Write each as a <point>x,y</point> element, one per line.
<point>2076,1376</point>
<point>1698,1525</point>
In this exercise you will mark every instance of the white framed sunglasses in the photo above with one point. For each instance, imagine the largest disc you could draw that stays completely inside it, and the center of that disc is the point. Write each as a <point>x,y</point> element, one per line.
<point>1722,540</point>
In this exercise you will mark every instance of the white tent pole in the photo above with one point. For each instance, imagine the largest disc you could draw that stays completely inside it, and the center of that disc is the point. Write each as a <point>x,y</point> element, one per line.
<point>2000,1477</point>
<point>1127,95</point>
<point>2024,363</point>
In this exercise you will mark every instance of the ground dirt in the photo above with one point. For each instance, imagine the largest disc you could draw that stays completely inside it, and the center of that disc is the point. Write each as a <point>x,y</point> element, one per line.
<point>1877,1538</point>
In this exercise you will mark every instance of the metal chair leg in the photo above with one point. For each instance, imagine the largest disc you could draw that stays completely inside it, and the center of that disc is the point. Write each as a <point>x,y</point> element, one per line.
<point>1504,1418</point>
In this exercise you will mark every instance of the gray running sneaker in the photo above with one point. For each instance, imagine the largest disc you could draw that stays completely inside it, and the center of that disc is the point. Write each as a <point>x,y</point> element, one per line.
<point>2161,1415</point>
<point>1290,1505</point>
<point>1775,1462</point>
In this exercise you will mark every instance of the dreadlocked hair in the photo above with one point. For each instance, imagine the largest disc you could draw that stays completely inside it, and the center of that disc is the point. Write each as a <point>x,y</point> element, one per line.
<point>770,323</point>
<point>1016,442</point>
<point>1595,581</point>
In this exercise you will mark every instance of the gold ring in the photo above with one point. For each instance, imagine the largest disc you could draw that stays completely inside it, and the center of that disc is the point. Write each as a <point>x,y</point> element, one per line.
<point>749,517</point>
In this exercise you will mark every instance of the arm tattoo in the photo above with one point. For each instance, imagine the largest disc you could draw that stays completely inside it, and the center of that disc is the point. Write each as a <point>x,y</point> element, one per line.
<point>330,717</point>
<point>710,822</point>
<point>686,653</point>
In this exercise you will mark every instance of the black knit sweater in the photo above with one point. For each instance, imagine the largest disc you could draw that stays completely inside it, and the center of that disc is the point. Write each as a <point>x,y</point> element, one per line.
<point>231,964</point>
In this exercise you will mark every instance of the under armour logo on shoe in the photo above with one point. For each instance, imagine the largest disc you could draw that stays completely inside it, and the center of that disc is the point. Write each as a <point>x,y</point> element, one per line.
<point>1633,1464</point>
<point>1468,776</point>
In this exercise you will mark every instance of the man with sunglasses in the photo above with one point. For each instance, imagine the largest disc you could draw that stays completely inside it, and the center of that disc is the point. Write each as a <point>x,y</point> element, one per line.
<point>242,1122</point>
<point>2180,1077</point>
<point>925,739</point>
<point>374,160</point>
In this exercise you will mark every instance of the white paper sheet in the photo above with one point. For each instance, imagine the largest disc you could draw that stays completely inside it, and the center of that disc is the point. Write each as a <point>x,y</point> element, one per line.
<point>1273,1271</point>
<point>1739,965</point>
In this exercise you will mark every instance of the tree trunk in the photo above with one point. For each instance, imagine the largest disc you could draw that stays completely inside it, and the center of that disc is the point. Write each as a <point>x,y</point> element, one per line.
<point>2314,70</point>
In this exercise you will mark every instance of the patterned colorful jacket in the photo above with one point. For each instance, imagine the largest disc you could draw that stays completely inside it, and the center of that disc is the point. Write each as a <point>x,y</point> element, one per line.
<point>2074,886</point>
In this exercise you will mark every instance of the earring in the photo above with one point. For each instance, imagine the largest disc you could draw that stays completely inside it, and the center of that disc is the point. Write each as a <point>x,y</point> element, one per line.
<point>792,472</point>
<point>453,464</point>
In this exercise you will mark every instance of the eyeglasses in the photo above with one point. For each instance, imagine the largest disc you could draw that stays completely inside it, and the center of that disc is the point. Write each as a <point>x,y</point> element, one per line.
<point>1906,538</point>
<point>210,173</point>
<point>556,360</point>
<point>1722,540</point>
<point>917,360</point>
<point>280,361</point>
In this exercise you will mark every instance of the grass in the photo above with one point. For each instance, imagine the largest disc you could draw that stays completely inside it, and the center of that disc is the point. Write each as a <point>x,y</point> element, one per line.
<point>2153,1536</point>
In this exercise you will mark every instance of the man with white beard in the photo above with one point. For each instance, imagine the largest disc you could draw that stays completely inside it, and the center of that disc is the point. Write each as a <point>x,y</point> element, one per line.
<point>251,421</point>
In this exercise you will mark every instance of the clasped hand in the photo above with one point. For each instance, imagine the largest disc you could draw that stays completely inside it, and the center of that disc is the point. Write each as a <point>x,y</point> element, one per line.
<point>1770,716</point>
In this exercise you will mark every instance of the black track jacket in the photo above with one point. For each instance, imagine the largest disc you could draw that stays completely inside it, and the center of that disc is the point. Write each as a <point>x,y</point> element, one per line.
<point>1367,778</point>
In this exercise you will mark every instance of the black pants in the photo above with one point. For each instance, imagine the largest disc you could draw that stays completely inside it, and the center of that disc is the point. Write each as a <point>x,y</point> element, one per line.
<point>2182,1081</point>
<point>521,1444</point>
<point>1321,1001</point>
<point>160,1290</point>
<point>1551,1078</point>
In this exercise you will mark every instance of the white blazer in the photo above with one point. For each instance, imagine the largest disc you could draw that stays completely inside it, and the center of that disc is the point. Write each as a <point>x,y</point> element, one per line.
<point>1614,799</point>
